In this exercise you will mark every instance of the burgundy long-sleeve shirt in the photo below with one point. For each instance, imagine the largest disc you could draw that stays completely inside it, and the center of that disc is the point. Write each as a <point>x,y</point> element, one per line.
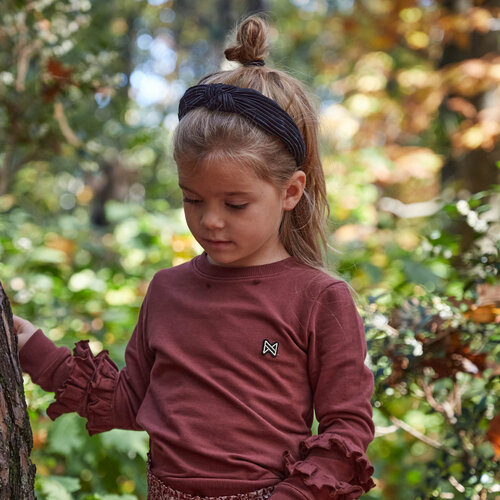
<point>223,370</point>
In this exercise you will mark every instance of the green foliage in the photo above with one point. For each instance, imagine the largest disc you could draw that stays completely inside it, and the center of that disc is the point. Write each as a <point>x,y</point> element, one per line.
<point>57,487</point>
<point>82,288</point>
<point>435,362</point>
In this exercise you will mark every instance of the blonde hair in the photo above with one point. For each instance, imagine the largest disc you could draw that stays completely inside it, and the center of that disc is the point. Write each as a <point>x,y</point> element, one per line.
<point>204,135</point>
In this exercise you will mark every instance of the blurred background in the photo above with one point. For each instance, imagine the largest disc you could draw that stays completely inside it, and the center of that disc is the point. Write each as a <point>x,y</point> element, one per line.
<point>409,99</point>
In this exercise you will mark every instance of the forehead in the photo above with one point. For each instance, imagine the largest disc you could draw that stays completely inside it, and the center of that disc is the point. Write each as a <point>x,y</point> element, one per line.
<point>219,174</point>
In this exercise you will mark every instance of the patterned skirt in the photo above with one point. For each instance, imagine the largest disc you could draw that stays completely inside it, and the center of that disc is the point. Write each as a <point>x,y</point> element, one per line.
<point>158,490</point>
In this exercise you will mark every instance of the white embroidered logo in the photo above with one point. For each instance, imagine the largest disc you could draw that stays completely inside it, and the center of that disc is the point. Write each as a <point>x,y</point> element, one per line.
<point>272,349</point>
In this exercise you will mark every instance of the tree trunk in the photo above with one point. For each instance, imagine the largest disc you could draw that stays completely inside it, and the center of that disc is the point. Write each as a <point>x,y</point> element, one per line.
<point>17,473</point>
<point>476,170</point>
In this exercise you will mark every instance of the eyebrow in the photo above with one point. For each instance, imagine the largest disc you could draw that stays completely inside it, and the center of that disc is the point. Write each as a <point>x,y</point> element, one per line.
<point>229,193</point>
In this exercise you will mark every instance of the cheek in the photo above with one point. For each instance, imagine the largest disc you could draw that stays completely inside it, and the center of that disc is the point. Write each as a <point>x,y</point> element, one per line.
<point>189,216</point>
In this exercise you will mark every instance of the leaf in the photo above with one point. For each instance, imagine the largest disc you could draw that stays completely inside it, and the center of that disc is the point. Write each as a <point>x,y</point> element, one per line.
<point>454,357</point>
<point>66,435</point>
<point>418,273</point>
<point>488,294</point>
<point>70,484</point>
<point>126,441</point>
<point>400,364</point>
<point>493,434</point>
<point>48,256</point>
<point>58,487</point>
<point>483,314</point>
<point>58,71</point>
<point>461,105</point>
<point>57,242</point>
<point>59,75</point>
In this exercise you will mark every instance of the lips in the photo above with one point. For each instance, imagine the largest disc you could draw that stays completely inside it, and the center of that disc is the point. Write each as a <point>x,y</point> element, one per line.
<point>217,243</point>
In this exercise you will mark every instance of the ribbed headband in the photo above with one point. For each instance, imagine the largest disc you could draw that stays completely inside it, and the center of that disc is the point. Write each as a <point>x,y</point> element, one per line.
<point>256,107</point>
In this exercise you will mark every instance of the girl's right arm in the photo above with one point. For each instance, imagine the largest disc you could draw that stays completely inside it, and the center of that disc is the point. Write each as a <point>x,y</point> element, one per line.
<point>92,386</point>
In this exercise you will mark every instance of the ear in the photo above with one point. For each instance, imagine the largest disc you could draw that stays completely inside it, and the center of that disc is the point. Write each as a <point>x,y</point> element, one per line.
<point>294,189</point>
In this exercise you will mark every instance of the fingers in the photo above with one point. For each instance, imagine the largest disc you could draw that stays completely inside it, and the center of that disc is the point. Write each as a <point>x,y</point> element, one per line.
<point>22,325</point>
<point>17,323</point>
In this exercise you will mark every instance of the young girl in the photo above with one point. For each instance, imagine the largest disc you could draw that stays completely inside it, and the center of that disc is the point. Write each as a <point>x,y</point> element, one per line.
<point>234,349</point>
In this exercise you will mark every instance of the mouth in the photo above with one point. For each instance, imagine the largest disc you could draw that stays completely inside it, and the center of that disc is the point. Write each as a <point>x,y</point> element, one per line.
<point>217,243</point>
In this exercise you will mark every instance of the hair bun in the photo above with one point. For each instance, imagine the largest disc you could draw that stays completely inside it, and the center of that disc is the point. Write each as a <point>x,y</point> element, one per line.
<point>251,41</point>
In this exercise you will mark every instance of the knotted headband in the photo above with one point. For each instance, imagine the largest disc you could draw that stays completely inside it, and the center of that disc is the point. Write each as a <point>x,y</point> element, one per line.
<point>256,107</point>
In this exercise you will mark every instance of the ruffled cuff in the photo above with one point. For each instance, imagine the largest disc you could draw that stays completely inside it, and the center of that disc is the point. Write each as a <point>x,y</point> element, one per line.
<point>314,477</point>
<point>46,364</point>
<point>89,389</point>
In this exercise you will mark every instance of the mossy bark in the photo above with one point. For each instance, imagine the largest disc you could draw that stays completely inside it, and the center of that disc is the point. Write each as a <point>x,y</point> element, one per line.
<point>17,473</point>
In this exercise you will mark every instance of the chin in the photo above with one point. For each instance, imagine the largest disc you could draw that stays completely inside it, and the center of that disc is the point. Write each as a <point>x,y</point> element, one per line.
<point>222,262</point>
<point>229,261</point>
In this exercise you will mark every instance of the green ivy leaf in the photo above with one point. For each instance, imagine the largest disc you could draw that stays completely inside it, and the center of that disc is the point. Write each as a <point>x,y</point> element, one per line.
<point>126,441</point>
<point>48,256</point>
<point>418,273</point>
<point>66,435</point>
<point>58,487</point>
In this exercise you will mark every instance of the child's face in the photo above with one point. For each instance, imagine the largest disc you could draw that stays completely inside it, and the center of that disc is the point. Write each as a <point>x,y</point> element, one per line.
<point>234,215</point>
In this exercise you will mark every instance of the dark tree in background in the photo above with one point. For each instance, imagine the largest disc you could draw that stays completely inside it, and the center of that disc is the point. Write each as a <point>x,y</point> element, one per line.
<point>17,473</point>
<point>476,169</point>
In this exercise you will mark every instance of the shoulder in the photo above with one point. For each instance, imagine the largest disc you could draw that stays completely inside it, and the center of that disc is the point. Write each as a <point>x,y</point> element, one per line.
<point>171,272</point>
<point>318,282</point>
<point>172,277</point>
<point>328,298</point>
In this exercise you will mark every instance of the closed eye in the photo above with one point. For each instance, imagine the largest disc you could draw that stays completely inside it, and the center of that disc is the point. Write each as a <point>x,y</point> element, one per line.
<point>190,200</point>
<point>237,207</point>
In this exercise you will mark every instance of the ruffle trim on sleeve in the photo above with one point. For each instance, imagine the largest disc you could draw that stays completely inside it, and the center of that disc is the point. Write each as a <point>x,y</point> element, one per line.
<point>314,477</point>
<point>89,389</point>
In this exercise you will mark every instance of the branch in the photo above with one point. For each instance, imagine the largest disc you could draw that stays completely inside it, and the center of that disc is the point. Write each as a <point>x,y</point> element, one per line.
<point>422,437</point>
<point>25,50</point>
<point>410,210</point>
<point>4,171</point>
<point>457,398</point>
<point>382,431</point>
<point>24,62</point>
<point>445,409</point>
<point>66,130</point>
<point>458,486</point>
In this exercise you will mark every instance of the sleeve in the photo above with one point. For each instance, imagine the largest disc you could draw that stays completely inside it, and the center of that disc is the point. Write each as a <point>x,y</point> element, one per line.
<point>92,385</point>
<point>333,464</point>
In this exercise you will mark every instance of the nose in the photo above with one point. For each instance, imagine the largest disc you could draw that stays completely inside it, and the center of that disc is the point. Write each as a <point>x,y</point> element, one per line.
<point>211,219</point>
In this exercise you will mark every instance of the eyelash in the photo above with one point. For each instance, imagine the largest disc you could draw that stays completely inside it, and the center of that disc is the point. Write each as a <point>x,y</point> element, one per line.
<point>189,200</point>
<point>234,207</point>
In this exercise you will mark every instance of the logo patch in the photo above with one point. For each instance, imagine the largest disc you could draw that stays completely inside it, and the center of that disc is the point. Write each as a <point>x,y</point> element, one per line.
<point>272,349</point>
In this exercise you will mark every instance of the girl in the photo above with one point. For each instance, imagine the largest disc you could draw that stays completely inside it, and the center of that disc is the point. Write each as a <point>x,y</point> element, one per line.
<point>234,349</point>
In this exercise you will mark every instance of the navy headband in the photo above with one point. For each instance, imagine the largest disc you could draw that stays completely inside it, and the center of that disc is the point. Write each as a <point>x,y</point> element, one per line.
<point>256,107</point>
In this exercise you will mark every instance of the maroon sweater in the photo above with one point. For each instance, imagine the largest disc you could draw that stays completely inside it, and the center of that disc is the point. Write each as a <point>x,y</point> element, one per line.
<point>223,370</point>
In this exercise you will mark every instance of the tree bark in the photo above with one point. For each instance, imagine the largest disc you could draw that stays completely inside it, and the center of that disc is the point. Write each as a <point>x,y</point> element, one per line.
<point>17,472</point>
